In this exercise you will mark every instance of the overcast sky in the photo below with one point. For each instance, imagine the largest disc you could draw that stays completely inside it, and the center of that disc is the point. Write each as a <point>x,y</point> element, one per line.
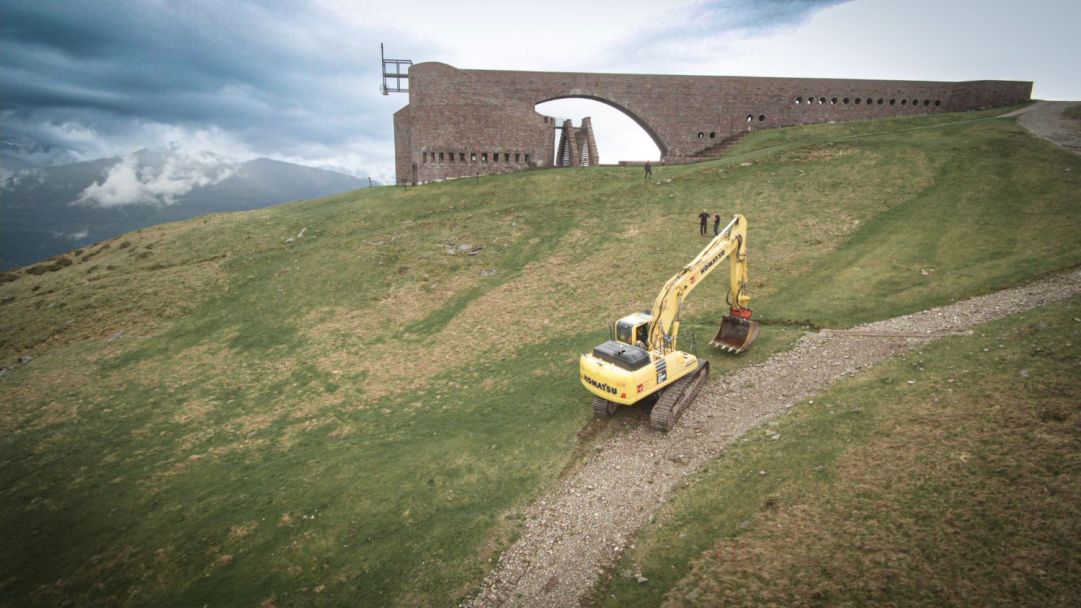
<point>298,81</point>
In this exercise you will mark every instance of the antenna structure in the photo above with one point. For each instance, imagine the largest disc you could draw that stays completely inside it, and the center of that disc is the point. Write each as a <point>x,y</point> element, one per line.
<point>395,79</point>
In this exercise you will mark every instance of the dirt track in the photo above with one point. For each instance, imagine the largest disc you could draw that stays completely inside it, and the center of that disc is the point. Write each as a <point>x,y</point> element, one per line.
<point>1044,119</point>
<point>571,534</point>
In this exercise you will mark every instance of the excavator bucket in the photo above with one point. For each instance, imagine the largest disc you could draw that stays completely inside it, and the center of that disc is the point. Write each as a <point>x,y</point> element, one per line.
<point>736,334</point>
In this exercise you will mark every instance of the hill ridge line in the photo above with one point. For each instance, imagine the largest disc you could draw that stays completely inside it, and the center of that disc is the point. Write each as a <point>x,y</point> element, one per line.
<point>581,527</point>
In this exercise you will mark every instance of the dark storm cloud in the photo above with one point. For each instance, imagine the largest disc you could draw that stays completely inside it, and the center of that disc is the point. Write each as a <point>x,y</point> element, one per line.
<point>273,74</point>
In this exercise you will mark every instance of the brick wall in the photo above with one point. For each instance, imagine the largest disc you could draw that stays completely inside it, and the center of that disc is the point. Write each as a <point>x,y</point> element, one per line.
<point>468,122</point>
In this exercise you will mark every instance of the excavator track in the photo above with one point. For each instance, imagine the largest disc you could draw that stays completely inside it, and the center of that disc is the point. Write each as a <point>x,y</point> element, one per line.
<point>677,397</point>
<point>604,408</point>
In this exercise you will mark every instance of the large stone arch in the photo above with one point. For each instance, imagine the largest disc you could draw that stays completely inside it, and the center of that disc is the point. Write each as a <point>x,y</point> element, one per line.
<point>638,120</point>
<point>474,122</point>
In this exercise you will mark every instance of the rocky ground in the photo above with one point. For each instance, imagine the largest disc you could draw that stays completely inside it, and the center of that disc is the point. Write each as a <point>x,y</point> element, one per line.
<point>581,527</point>
<point>1044,119</point>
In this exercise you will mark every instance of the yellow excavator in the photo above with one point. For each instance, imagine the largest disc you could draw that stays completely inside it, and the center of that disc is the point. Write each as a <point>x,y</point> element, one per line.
<point>643,361</point>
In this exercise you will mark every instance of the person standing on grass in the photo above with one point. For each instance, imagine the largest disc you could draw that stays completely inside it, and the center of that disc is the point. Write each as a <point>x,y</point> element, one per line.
<point>649,170</point>
<point>716,224</point>
<point>703,221</point>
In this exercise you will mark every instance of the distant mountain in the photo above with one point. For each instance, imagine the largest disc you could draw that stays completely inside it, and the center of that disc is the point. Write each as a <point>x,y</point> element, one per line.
<point>9,165</point>
<point>45,211</point>
<point>357,174</point>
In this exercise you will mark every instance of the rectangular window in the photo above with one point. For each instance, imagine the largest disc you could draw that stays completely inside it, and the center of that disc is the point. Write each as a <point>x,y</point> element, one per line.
<point>461,156</point>
<point>527,159</point>
<point>440,157</point>
<point>517,157</point>
<point>483,157</point>
<point>450,156</point>
<point>473,156</point>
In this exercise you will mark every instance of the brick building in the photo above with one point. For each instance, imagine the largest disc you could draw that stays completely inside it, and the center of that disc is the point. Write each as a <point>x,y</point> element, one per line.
<point>461,123</point>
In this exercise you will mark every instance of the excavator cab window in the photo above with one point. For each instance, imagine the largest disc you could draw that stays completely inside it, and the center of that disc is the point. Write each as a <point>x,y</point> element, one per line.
<point>629,333</point>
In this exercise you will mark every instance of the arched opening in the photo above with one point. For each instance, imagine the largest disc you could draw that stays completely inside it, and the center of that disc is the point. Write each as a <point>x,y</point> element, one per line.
<point>619,135</point>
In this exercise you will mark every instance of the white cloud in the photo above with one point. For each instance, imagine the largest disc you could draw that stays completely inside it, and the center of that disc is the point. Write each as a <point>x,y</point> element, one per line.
<point>74,236</point>
<point>494,34</point>
<point>157,178</point>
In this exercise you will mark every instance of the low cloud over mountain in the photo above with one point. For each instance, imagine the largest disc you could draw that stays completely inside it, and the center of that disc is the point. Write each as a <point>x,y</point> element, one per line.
<point>50,210</point>
<point>148,178</point>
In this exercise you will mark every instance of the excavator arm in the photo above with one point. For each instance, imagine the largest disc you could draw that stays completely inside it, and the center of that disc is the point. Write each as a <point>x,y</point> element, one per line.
<point>736,330</point>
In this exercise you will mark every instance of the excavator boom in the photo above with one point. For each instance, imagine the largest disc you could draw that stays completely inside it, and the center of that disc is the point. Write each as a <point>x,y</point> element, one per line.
<point>737,331</point>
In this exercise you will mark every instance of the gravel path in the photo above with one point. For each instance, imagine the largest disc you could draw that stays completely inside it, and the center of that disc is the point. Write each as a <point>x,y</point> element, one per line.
<point>582,526</point>
<point>1044,119</point>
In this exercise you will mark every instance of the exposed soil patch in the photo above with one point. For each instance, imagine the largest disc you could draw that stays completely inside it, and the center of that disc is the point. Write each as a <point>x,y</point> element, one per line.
<point>573,533</point>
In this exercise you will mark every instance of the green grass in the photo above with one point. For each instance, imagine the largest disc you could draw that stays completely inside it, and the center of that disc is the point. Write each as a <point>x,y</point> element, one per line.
<point>959,489</point>
<point>1073,112</point>
<point>217,415</point>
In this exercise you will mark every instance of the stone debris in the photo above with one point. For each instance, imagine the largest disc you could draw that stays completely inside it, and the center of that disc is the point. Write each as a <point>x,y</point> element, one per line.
<point>466,248</point>
<point>299,235</point>
<point>566,539</point>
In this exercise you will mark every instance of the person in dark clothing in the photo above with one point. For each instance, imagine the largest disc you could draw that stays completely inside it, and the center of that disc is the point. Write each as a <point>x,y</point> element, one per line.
<point>716,224</point>
<point>703,221</point>
<point>649,170</point>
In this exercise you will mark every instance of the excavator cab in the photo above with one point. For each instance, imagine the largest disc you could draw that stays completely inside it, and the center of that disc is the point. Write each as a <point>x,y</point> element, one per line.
<point>633,329</point>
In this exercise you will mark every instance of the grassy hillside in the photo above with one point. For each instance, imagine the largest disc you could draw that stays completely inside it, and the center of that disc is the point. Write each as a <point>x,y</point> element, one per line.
<point>333,402</point>
<point>962,489</point>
